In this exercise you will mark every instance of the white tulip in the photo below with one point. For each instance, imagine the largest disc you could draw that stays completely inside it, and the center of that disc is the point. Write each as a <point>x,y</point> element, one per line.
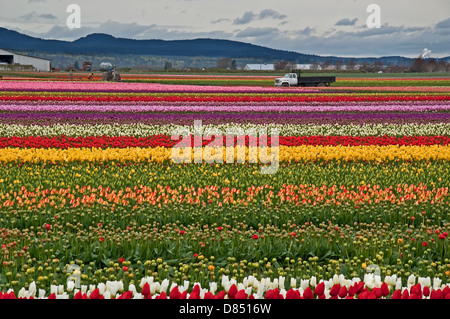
<point>313,281</point>
<point>107,294</point>
<point>251,280</point>
<point>436,283</point>
<point>398,284</point>
<point>213,287</point>
<point>281,282</point>
<point>41,293</point>
<point>154,287</point>
<point>32,289</point>
<point>411,280</point>
<point>132,288</point>
<point>22,293</point>
<point>53,289</point>
<point>70,285</point>
<point>293,283</point>
<point>377,281</point>
<point>101,288</point>
<point>304,283</point>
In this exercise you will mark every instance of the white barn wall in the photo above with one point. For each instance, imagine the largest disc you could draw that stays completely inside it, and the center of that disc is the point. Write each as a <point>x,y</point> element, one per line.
<point>38,63</point>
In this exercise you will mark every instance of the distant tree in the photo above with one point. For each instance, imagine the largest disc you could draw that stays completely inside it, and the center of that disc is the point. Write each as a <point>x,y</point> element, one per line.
<point>377,66</point>
<point>315,66</point>
<point>351,64</point>
<point>394,68</point>
<point>339,64</point>
<point>233,65</point>
<point>365,66</point>
<point>419,65</point>
<point>291,65</point>
<point>280,65</point>
<point>167,65</point>
<point>224,63</point>
<point>432,65</point>
<point>326,65</point>
<point>442,66</point>
<point>76,66</point>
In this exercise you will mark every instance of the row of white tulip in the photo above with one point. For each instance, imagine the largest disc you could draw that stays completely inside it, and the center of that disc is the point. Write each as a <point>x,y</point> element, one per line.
<point>251,286</point>
<point>144,130</point>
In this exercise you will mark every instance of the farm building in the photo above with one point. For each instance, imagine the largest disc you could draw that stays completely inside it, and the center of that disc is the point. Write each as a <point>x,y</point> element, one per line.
<point>10,58</point>
<point>259,67</point>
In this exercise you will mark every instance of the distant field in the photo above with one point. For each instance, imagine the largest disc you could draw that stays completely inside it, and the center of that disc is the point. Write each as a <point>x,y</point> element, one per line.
<point>343,79</point>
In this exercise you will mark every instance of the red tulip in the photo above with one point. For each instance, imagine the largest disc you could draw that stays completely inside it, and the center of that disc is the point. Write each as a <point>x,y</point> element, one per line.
<point>334,291</point>
<point>95,294</point>
<point>416,289</point>
<point>436,294</point>
<point>446,291</point>
<point>343,292</point>
<point>405,294</point>
<point>146,291</point>
<point>363,295</point>
<point>220,295</point>
<point>162,295</point>
<point>377,292</point>
<point>273,294</point>
<point>320,288</point>
<point>426,291</point>
<point>241,294</point>
<point>384,289</point>
<point>126,295</point>
<point>175,293</point>
<point>194,295</point>
<point>397,294</point>
<point>308,293</point>
<point>292,294</point>
<point>232,291</point>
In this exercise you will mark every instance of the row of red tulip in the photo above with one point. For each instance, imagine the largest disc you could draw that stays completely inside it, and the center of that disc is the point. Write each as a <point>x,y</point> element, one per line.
<point>64,142</point>
<point>356,291</point>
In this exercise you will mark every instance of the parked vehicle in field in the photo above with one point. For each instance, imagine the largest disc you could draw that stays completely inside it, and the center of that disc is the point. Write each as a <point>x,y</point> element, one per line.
<point>295,79</point>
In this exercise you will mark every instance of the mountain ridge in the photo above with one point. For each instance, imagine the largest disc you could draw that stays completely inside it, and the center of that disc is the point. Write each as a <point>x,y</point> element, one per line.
<point>101,43</point>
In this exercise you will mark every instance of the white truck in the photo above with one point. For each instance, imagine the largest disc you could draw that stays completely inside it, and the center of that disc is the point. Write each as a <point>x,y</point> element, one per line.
<point>294,79</point>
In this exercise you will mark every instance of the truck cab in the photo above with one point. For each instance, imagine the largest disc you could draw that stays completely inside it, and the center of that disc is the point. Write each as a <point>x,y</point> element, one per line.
<point>289,79</point>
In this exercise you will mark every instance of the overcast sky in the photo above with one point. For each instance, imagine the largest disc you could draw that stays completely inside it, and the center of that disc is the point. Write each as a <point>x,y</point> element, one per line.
<point>323,27</point>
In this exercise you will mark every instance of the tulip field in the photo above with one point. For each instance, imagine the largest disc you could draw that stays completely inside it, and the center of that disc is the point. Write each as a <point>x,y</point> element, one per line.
<point>94,206</point>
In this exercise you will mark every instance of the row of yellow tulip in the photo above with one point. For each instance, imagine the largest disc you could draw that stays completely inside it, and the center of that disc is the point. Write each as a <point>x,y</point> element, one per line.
<point>210,154</point>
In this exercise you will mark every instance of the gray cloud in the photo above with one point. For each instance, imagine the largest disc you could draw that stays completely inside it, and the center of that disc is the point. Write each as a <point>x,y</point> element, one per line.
<point>250,16</point>
<point>346,22</point>
<point>33,16</point>
<point>269,13</point>
<point>246,18</point>
<point>444,24</point>
<point>48,16</point>
<point>219,20</point>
